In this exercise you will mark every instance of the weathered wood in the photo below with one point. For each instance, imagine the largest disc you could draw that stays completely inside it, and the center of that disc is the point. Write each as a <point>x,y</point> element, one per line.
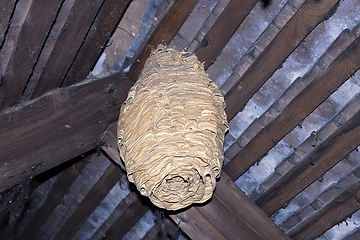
<point>333,212</point>
<point>163,230</point>
<point>127,220</point>
<point>58,126</point>
<point>245,221</point>
<point>72,35</point>
<point>346,64</point>
<point>120,209</point>
<point>225,26</point>
<point>110,146</point>
<point>54,197</point>
<point>34,31</point>
<point>340,143</point>
<point>88,205</point>
<point>310,14</point>
<point>6,9</point>
<point>102,29</point>
<point>163,33</point>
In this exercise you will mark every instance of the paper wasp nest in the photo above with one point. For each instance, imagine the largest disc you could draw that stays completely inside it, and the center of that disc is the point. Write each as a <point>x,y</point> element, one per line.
<point>171,131</point>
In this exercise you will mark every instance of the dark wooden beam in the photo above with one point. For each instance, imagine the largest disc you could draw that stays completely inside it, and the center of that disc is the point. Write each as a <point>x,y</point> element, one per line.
<point>71,37</point>
<point>332,213</point>
<point>124,208</point>
<point>222,217</point>
<point>339,144</point>
<point>222,30</point>
<point>346,64</point>
<point>55,195</point>
<point>32,37</point>
<point>164,229</point>
<point>88,205</point>
<point>309,15</point>
<point>7,8</point>
<point>58,126</point>
<point>102,29</point>
<point>132,214</point>
<point>164,32</point>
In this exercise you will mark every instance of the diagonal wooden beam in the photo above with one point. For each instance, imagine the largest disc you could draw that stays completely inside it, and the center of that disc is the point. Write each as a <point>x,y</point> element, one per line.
<point>333,212</point>
<point>339,144</point>
<point>58,126</point>
<point>126,207</point>
<point>310,14</point>
<point>164,32</point>
<point>32,37</point>
<point>94,44</point>
<point>346,64</point>
<point>67,45</point>
<point>222,217</point>
<point>7,8</point>
<point>232,16</point>
<point>132,214</point>
<point>88,205</point>
<point>55,195</point>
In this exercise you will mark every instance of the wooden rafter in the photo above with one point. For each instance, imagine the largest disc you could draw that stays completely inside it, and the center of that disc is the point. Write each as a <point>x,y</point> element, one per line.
<point>232,16</point>
<point>67,45</point>
<point>102,29</point>
<point>345,65</point>
<point>6,9</point>
<point>339,144</point>
<point>164,32</point>
<point>299,26</point>
<point>57,192</point>
<point>58,126</point>
<point>27,50</point>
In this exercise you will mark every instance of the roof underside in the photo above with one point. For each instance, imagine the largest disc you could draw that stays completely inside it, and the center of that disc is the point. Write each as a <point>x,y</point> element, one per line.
<point>289,75</point>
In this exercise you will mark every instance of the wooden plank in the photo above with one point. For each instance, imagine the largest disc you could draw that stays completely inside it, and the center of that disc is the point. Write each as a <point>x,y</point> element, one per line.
<point>164,32</point>
<point>339,144</point>
<point>346,64</point>
<point>128,219</point>
<point>223,217</point>
<point>217,37</point>
<point>34,31</point>
<point>120,209</point>
<point>54,197</point>
<point>72,35</point>
<point>309,15</point>
<point>162,230</point>
<point>332,213</point>
<point>58,126</point>
<point>102,29</point>
<point>7,8</point>
<point>88,205</point>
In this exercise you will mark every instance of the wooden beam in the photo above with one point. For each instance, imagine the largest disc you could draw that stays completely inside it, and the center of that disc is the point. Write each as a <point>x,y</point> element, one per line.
<point>127,219</point>
<point>164,32</point>
<point>58,126</point>
<point>217,37</point>
<point>54,197</point>
<point>102,29</point>
<point>34,31</point>
<point>124,206</point>
<point>332,213</point>
<point>88,205</point>
<point>309,15</point>
<point>339,144</point>
<point>222,217</point>
<point>164,229</point>
<point>67,45</point>
<point>346,64</point>
<point>7,8</point>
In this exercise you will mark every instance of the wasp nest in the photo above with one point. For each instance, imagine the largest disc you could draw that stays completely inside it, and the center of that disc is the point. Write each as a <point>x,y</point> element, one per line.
<point>171,131</point>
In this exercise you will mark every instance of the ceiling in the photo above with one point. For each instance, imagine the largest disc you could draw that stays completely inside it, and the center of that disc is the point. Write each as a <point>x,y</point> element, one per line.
<point>288,71</point>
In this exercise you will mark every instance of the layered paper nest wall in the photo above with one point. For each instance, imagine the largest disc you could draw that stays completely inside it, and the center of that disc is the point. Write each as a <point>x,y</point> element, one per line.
<point>171,131</point>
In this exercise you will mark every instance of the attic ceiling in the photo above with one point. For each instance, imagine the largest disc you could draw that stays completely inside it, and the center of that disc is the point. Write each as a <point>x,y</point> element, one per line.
<point>288,71</point>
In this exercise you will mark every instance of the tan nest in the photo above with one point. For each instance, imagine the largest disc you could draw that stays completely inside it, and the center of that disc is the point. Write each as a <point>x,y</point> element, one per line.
<point>171,131</point>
